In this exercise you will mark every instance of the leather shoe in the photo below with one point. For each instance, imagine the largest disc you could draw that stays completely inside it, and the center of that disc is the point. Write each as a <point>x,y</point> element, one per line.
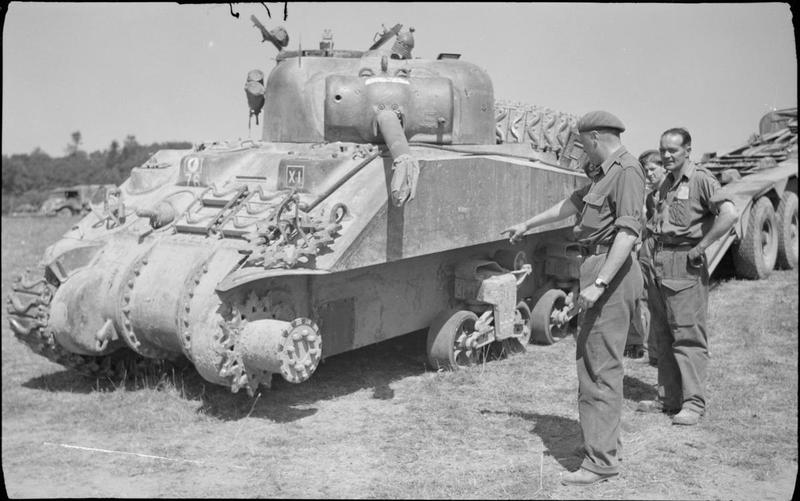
<point>584,477</point>
<point>686,417</point>
<point>654,406</point>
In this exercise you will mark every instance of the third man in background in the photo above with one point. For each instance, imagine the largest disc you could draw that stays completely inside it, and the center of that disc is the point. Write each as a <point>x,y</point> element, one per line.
<point>639,339</point>
<point>654,170</point>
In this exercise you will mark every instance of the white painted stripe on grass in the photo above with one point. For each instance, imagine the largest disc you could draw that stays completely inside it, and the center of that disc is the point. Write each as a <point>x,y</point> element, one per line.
<point>93,449</point>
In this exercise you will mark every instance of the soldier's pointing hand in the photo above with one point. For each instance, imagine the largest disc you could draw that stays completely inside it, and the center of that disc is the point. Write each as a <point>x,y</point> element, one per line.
<point>515,232</point>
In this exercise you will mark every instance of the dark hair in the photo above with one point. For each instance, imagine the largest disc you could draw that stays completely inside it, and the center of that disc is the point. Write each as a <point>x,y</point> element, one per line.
<point>679,131</point>
<point>647,155</point>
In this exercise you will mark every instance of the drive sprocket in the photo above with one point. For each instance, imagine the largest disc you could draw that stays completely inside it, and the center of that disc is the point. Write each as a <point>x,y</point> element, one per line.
<point>274,304</point>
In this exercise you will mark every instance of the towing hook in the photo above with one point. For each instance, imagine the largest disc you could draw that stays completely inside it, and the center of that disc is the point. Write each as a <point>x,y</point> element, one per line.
<point>105,334</point>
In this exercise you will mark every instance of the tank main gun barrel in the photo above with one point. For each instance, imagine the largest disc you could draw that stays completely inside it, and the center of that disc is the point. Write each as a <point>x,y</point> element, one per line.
<point>405,167</point>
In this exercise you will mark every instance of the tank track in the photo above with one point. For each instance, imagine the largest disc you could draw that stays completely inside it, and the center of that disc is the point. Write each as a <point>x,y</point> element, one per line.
<point>29,314</point>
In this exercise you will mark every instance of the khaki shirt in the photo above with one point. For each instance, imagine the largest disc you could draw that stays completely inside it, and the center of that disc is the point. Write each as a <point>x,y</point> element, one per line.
<point>613,200</point>
<point>683,209</point>
<point>650,206</point>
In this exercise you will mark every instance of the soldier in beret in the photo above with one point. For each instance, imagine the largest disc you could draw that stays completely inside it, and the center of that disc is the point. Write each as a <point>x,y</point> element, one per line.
<point>610,219</point>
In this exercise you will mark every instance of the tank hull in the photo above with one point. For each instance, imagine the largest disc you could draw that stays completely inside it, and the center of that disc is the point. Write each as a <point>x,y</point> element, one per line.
<point>389,270</point>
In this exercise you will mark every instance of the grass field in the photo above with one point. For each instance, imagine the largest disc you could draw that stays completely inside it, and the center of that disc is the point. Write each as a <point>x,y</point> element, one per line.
<point>375,423</point>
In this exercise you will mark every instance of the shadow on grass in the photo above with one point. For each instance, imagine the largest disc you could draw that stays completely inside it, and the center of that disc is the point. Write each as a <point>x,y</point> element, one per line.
<point>157,374</point>
<point>561,436</point>
<point>636,389</point>
<point>373,367</point>
<point>724,271</point>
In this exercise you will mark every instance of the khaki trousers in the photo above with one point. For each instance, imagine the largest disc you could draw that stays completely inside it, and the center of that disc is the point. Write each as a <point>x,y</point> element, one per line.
<point>600,345</point>
<point>678,300</point>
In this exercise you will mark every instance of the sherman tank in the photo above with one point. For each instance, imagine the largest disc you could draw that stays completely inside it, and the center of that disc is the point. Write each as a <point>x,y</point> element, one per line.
<point>371,207</point>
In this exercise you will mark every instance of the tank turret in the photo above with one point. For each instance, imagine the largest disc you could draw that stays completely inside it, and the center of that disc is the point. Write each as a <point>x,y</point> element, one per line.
<point>334,95</point>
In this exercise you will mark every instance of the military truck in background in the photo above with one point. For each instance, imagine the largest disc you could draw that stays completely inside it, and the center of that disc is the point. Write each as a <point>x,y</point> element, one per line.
<point>71,201</point>
<point>761,179</point>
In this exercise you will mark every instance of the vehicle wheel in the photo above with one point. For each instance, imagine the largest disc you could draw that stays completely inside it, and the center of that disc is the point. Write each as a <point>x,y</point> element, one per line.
<point>756,254</point>
<point>64,212</point>
<point>446,336</point>
<point>544,330</point>
<point>787,231</point>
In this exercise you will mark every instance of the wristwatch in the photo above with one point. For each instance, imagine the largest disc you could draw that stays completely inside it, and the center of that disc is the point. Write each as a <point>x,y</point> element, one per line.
<point>599,282</point>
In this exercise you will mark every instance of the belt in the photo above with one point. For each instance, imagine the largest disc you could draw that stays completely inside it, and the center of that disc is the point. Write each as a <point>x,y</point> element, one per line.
<point>682,246</point>
<point>593,250</point>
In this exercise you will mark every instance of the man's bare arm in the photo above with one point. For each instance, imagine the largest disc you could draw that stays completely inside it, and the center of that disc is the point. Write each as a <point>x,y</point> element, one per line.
<point>722,225</point>
<point>559,211</point>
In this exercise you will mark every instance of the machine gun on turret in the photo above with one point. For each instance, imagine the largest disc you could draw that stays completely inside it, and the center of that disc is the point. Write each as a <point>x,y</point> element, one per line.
<point>278,37</point>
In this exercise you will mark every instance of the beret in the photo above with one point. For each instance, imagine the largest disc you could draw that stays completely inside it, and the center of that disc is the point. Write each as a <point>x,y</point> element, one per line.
<point>599,119</point>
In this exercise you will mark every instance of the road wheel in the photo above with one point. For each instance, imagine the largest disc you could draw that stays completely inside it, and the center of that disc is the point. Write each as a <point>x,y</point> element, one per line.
<point>756,254</point>
<point>446,340</point>
<point>787,231</point>
<point>544,330</point>
<point>64,212</point>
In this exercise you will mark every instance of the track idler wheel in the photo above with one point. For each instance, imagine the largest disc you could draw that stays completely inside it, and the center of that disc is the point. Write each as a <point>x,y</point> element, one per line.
<point>291,349</point>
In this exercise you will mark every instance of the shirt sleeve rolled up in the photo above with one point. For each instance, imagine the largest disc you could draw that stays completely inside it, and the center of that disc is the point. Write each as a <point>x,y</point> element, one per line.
<point>629,200</point>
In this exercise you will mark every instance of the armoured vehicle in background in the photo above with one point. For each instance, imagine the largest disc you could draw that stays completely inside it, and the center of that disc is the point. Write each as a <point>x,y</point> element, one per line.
<point>761,179</point>
<point>371,207</point>
<point>73,200</point>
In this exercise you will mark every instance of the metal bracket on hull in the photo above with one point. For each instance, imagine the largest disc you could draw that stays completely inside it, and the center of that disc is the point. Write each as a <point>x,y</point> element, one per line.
<point>486,282</point>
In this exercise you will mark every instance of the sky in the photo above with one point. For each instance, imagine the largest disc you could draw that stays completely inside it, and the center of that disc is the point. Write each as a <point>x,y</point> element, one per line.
<point>170,72</point>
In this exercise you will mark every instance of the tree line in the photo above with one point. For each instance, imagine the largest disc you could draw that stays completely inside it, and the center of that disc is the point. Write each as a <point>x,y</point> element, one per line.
<point>27,178</point>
